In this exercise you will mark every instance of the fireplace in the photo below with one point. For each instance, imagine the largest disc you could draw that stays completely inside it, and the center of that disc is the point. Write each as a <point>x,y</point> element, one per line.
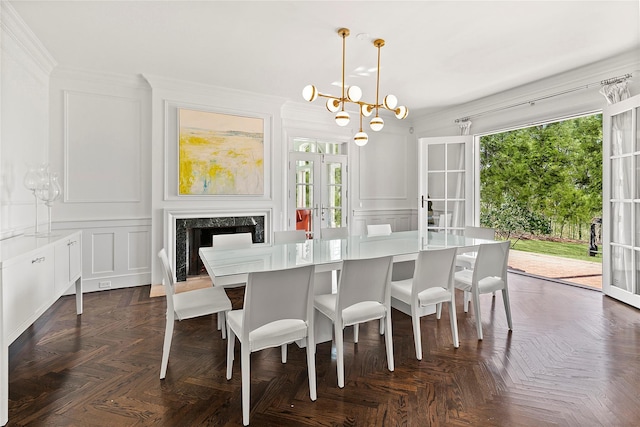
<point>193,233</point>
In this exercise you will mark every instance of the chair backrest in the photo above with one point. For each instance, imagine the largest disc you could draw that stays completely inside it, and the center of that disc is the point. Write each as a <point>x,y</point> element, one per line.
<point>492,261</point>
<point>434,268</point>
<point>444,220</point>
<point>231,241</point>
<point>289,236</point>
<point>277,295</point>
<point>367,279</point>
<point>168,280</point>
<point>378,229</point>
<point>480,232</point>
<point>334,233</point>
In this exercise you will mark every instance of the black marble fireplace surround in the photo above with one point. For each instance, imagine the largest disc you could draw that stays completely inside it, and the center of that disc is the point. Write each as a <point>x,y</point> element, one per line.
<point>188,228</point>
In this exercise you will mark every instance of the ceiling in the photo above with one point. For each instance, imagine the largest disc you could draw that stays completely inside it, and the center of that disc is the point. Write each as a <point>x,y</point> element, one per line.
<point>437,53</point>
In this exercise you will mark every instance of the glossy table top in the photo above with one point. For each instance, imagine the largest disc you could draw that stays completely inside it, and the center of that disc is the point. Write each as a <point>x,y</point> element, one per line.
<point>328,253</point>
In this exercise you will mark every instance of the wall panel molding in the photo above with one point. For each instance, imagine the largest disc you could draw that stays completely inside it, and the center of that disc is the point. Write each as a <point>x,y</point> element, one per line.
<point>102,148</point>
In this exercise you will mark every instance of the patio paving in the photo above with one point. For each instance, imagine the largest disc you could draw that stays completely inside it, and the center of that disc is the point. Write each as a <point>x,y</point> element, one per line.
<point>583,273</point>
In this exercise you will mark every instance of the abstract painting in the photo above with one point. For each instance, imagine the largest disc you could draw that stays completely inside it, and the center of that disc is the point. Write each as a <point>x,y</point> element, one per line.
<point>220,154</point>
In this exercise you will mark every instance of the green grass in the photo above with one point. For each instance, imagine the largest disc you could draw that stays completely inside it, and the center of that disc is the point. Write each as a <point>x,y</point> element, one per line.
<point>565,250</point>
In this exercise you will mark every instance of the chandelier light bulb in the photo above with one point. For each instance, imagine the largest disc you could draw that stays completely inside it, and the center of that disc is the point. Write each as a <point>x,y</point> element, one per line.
<point>390,102</point>
<point>402,112</point>
<point>354,93</point>
<point>361,139</point>
<point>342,118</point>
<point>376,124</point>
<point>366,110</point>
<point>333,105</point>
<point>310,93</point>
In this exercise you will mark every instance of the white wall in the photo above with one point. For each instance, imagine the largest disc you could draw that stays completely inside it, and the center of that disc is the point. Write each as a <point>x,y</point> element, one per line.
<point>100,144</point>
<point>24,137</point>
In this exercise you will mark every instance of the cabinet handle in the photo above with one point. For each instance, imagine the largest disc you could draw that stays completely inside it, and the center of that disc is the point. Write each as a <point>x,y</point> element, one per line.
<point>41,259</point>
<point>71,243</point>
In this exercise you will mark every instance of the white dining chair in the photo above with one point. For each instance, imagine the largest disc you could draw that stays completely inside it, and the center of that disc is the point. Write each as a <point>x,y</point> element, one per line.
<point>231,241</point>
<point>334,233</point>
<point>489,274</point>
<point>364,294</point>
<point>227,242</point>
<point>432,284</point>
<point>187,305</point>
<point>467,259</point>
<point>277,310</point>
<point>378,229</point>
<point>289,236</point>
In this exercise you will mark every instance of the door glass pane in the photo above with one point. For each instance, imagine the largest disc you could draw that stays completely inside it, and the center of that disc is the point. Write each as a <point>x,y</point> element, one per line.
<point>304,195</point>
<point>621,223</point>
<point>621,265</point>
<point>455,185</point>
<point>456,213</point>
<point>621,142</point>
<point>436,157</point>
<point>332,207</point>
<point>621,178</point>
<point>455,157</point>
<point>436,199</point>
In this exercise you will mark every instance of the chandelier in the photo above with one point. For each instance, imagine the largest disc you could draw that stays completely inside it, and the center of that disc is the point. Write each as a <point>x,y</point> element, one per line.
<point>352,94</point>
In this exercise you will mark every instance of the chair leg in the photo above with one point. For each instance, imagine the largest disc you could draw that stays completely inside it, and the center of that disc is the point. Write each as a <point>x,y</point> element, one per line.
<point>338,331</point>
<point>311,366</point>
<point>246,382</point>
<point>222,324</point>
<point>454,323</point>
<point>283,350</point>
<point>389,342</point>
<point>166,348</point>
<point>231,340</point>
<point>507,306</point>
<point>381,326</point>
<point>476,308</point>
<point>417,338</point>
<point>356,332</point>
<point>438,310</point>
<point>467,299</point>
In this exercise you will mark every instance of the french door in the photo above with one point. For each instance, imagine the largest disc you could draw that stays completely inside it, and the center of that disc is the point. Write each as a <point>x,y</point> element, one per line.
<point>317,191</point>
<point>621,200</point>
<point>445,183</point>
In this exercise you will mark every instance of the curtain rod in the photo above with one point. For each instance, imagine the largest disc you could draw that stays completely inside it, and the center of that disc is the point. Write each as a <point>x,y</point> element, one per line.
<point>533,101</point>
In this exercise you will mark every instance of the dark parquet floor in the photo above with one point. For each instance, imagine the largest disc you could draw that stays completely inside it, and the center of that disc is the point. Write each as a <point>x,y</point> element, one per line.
<point>573,359</point>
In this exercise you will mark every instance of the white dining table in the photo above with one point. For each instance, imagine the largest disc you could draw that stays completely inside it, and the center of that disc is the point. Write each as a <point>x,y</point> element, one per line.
<point>234,265</point>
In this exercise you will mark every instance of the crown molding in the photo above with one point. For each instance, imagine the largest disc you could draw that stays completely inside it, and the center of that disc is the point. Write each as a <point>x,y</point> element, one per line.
<point>13,26</point>
<point>134,81</point>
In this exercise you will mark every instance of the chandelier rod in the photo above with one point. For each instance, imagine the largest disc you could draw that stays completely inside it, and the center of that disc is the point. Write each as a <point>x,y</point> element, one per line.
<point>344,33</point>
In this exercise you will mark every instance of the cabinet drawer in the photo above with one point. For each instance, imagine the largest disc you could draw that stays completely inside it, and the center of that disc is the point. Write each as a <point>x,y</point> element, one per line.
<point>28,291</point>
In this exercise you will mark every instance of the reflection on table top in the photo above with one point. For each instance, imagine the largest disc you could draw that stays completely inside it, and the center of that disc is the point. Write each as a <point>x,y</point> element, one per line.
<point>326,254</point>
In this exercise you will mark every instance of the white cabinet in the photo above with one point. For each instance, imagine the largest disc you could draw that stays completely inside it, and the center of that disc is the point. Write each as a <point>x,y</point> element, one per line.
<point>27,290</point>
<point>68,266</point>
<point>34,273</point>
